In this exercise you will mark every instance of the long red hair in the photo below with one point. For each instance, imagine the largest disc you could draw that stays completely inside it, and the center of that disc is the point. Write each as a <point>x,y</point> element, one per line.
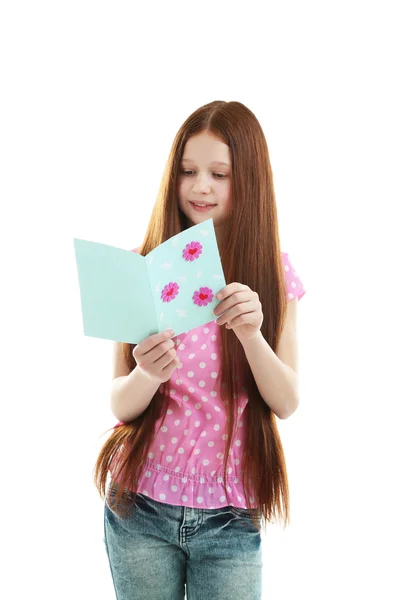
<point>255,260</point>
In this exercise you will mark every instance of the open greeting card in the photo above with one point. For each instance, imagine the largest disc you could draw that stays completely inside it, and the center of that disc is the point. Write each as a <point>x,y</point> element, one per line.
<point>127,297</point>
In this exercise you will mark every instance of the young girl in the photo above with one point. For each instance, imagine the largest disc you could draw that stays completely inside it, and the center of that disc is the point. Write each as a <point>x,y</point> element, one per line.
<point>196,460</point>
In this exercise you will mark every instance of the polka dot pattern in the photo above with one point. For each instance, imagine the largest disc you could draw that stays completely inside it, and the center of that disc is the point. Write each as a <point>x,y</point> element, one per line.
<point>294,286</point>
<point>184,466</point>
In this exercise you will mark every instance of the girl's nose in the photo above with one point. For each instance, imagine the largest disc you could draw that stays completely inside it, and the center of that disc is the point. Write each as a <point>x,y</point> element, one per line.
<point>201,184</point>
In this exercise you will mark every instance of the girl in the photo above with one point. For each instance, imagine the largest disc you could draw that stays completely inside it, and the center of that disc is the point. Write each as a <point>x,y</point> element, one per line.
<point>196,460</point>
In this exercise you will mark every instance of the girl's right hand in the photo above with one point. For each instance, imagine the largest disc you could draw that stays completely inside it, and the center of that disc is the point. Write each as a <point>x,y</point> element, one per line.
<point>156,356</point>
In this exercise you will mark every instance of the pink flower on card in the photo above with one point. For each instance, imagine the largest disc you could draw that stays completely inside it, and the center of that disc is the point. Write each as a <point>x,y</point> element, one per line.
<point>192,251</point>
<point>170,291</point>
<point>203,296</point>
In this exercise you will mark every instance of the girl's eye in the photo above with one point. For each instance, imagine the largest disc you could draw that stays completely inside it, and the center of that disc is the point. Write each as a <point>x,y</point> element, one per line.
<point>219,175</point>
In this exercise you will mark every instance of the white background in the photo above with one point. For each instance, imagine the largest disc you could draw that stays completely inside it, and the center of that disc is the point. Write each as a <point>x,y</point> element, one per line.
<point>92,94</point>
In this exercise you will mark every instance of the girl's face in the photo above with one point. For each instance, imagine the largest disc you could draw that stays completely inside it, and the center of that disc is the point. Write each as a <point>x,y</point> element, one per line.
<point>205,177</point>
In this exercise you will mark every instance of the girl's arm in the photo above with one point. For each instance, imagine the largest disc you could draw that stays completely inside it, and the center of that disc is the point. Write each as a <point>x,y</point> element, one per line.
<point>276,374</point>
<point>131,394</point>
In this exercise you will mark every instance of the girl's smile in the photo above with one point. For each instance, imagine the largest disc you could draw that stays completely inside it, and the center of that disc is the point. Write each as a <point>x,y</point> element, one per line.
<point>202,208</point>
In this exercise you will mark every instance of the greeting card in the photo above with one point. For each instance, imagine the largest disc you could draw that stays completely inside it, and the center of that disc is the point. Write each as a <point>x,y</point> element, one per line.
<point>127,297</point>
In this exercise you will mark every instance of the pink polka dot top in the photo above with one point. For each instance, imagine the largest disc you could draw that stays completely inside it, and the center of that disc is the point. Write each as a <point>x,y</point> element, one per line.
<point>184,466</point>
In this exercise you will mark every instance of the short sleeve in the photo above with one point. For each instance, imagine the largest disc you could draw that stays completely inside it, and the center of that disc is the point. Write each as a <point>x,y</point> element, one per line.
<point>294,285</point>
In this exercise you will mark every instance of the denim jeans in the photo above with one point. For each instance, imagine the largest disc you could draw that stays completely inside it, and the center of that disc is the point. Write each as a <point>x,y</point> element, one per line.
<point>162,551</point>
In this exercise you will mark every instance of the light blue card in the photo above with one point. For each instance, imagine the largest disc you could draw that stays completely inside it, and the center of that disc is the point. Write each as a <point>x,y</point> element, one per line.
<point>127,297</point>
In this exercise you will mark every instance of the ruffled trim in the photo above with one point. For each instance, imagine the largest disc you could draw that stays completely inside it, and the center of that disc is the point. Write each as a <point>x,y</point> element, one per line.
<point>180,489</point>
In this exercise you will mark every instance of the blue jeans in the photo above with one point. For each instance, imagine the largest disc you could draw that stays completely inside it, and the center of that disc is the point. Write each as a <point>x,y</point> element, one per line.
<point>160,548</point>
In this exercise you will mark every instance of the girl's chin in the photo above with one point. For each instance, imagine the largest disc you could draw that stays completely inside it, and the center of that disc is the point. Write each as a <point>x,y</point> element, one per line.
<point>194,218</point>
<point>197,217</point>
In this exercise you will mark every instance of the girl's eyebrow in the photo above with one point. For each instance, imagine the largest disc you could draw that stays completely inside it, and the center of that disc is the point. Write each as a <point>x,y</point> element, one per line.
<point>216,162</point>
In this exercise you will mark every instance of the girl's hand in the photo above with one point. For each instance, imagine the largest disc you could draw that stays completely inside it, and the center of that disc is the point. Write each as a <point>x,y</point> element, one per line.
<point>242,310</point>
<point>156,356</point>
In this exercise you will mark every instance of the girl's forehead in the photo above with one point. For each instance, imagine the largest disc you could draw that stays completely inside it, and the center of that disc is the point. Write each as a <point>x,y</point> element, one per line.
<point>207,148</point>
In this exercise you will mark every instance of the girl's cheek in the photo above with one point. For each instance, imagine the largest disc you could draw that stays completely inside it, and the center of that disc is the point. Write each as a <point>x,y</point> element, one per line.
<point>182,189</point>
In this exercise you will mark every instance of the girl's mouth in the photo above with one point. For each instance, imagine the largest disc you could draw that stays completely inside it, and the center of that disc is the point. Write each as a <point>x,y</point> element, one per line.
<point>199,207</point>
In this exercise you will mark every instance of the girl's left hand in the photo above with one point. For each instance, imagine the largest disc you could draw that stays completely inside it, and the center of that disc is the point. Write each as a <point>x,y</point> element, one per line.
<point>242,310</point>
